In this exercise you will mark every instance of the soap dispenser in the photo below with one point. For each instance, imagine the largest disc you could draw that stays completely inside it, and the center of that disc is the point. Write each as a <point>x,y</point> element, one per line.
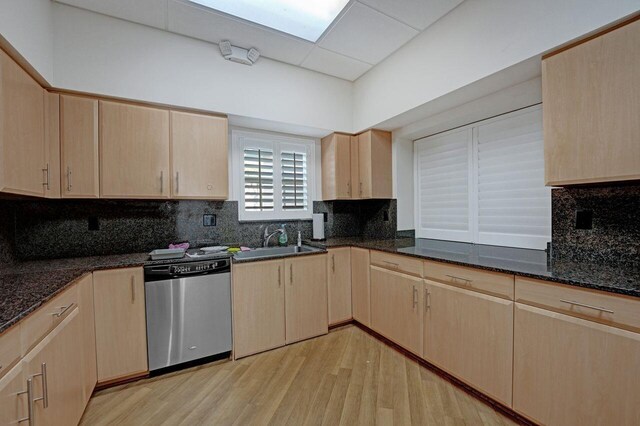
<point>283,236</point>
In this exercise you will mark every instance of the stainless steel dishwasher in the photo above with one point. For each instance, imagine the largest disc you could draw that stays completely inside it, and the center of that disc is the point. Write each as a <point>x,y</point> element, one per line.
<point>188,311</point>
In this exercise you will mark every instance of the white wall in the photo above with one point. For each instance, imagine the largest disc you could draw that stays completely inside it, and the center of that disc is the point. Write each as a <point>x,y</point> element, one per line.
<point>98,54</point>
<point>475,40</point>
<point>28,26</point>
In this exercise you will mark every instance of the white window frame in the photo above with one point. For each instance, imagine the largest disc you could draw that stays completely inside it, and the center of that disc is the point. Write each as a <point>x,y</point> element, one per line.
<point>472,236</point>
<point>277,143</point>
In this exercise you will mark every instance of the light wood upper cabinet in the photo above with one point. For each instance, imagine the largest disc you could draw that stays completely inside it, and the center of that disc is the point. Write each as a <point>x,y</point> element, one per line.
<point>397,307</point>
<point>199,156</point>
<point>258,307</point>
<point>56,361</point>
<point>134,151</point>
<point>339,285</point>
<point>355,168</point>
<point>470,335</point>
<point>374,159</point>
<point>591,107</point>
<point>121,331</point>
<point>306,297</point>
<point>52,145</point>
<point>360,286</point>
<point>336,167</point>
<point>570,371</point>
<point>22,159</point>
<point>79,147</point>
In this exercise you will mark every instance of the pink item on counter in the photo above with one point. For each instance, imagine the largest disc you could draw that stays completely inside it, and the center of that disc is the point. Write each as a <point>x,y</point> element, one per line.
<point>243,248</point>
<point>179,246</point>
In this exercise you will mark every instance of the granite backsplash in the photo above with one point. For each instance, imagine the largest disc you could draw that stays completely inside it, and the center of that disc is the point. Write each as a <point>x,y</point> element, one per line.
<point>50,229</point>
<point>615,234</point>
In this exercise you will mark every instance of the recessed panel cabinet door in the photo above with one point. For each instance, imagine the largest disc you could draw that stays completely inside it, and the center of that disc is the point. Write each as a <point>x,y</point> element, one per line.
<point>200,164</point>
<point>134,151</point>
<point>374,164</point>
<point>339,285</point>
<point>470,335</point>
<point>336,167</point>
<point>79,147</point>
<point>306,296</point>
<point>258,307</point>
<point>52,145</point>
<point>22,161</point>
<point>121,331</point>
<point>360,286</point>
<point>13,402</point>
<point>570,371</point>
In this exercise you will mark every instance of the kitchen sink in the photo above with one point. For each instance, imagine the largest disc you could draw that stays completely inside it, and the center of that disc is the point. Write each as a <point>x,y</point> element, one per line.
<point>275,251</point>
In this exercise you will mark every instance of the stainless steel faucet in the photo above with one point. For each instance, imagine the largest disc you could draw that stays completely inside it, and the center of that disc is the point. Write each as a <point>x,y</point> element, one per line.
<point>267,236</point>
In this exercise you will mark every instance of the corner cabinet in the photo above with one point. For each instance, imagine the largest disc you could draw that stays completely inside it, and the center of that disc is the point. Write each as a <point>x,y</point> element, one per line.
<point>360,286</point>
<point>591,107</point>
<point>357,167</point>
<point>134,151</point>
<point>199,156</point>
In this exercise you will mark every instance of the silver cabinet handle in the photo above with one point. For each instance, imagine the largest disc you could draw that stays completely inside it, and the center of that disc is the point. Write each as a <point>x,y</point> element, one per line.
<point>415,297</point>
<point>427,299</point>
<point>46,183</point>
<point>177,182</point>
<point>45,390</point>
<point>29,393</point>
<point>162,181</point>
<point>69,186</point>
<point>395,265</point>
<point>333,263</point>
<point>361,189</point>
<point>454,278</point>
<point>279,276</point>
<point>291,273</point>
<point>584,305</point>
<point>349,188</point>
<point>133,289</point>
<point>63,309</point>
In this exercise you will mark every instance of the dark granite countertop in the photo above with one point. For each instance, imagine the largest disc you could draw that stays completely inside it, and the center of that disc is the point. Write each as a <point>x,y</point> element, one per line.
<point>522,262</point>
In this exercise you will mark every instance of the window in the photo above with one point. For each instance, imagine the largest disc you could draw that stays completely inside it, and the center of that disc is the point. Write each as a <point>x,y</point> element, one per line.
<point>306,19</point>
<point>485,183</point>
<point>274,177</point>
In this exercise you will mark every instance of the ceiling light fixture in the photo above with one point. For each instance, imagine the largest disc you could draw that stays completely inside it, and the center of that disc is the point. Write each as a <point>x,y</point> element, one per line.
<point>238,54</point>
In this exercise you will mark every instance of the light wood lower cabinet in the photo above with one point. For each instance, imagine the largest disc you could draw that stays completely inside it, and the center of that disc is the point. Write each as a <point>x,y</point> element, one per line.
<point>88,336</point>
<point>53,366</point>
<point>13,397</point>
<point>339,284</point>
<point>470,335</point>
<point>360,286</point>
<point>306,297</point>
<point>121,332</point>
<point>396,307</point>
<point>571,371</point>
<point>258,307</point>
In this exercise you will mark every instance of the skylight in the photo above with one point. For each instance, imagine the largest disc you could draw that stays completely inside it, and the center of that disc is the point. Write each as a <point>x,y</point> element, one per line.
<point>306,19</point>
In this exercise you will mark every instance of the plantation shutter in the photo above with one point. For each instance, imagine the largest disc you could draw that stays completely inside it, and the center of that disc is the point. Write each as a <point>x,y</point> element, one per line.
<point>258,179</point>
<point>294,180</point>
<point>442,164</point>
<point>514,206</point>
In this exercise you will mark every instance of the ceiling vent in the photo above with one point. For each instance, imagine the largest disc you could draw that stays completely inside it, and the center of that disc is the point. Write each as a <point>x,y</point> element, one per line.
<point>238,54</point>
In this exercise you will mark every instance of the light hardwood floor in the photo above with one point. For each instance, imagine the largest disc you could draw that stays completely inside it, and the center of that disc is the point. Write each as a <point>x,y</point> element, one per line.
<point>346,377</point>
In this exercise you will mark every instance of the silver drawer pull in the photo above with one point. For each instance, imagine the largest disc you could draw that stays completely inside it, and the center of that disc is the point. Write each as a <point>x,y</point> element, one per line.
<point>427,299</point>
<point>63,310</point>
<point>45,390</point>
<point>584,305</point>
<point>29,392</point>
<point>453,277</point>
<point>395,265</point>
<point>415,297</point>
<point>192,348</point>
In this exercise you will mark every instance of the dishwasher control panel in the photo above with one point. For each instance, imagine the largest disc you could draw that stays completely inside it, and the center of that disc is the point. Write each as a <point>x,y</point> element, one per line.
<point>163,272</point>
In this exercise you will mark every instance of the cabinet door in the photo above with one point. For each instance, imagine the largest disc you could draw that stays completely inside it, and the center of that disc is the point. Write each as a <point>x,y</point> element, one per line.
<point>199,156</point>
<point>54,367</point>
<point>355,168</point>
<point>79,143</point>
<point>336,167</point>
<point>121,332</point>
<point>22,165</point>
<point>374,161</point>
<point>258,307</point>
<point>52,145</point>
<point>396,307</point>
<point>134,151</point>
<point>13,397</point>
<point>339,285</point>
<point>591,106</point>
<point>88,336</point>
<point>470,335</point>
<point>570,371</point>
<point>306,297</point>
<point>360,286</point>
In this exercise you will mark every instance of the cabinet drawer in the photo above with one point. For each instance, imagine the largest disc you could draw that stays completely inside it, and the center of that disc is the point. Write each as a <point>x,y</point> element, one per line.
<point>615,310</point>
<point>395,262</point>
<point>47,317</point>
<point>9,348</point>
<point>493,283</point>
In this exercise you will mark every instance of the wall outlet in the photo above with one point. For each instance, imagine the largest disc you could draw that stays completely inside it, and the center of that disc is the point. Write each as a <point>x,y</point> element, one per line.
<point>584,219</point>
<point>209,220</point>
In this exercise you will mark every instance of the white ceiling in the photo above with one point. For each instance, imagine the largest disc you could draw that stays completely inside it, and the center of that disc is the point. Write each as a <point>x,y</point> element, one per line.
<point>366,32</point>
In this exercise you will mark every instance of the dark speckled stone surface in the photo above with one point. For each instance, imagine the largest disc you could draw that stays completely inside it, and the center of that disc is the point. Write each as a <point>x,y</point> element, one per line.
<point>623,279</point>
